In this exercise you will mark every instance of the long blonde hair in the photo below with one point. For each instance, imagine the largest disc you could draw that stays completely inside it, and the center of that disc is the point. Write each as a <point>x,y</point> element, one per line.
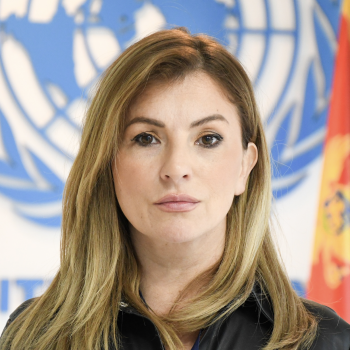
<point>99,268</point>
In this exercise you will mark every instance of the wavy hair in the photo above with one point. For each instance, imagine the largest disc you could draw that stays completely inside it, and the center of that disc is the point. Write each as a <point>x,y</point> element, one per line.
<point>99,268</point>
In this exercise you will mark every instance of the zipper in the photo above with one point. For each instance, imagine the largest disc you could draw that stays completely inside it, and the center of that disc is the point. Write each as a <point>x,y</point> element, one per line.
<point>128,309</point>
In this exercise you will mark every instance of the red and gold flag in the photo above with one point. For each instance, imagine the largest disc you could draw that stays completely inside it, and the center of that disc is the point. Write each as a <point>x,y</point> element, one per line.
<point>329,283</point>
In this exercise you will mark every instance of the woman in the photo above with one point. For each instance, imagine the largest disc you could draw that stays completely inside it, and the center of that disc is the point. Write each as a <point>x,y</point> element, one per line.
<point>166,240</point>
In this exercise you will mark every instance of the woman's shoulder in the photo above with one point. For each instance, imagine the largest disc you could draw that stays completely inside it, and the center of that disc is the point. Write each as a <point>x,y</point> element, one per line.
<point>325,314</point>
<point>21,308</point>
<point>18,311</point>
<point>333,331</point>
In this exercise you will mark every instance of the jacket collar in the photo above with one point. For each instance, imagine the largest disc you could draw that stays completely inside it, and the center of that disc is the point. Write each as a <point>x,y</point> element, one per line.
<point>259,298</point>
<point>263,301</point>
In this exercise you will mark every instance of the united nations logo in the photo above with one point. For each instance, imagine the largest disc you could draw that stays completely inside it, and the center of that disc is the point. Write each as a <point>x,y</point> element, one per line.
<point>52,53</point>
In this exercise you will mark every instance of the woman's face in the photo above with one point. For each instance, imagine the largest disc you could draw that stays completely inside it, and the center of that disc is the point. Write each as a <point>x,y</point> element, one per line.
<point>181,161</point>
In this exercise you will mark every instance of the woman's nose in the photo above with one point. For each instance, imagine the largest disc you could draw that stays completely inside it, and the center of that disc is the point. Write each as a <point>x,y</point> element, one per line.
<point>176,165</point>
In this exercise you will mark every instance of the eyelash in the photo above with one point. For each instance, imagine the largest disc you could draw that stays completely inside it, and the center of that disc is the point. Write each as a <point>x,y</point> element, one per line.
<point>219,138</point>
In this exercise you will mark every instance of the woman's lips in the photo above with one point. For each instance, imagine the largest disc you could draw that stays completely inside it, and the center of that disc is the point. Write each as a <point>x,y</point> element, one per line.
<point>177,206</point>
<point>177,203</point>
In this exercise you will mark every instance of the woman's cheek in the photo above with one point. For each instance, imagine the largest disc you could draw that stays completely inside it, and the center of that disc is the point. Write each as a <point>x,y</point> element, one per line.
<point>227,174</point>
<point>135,176</point>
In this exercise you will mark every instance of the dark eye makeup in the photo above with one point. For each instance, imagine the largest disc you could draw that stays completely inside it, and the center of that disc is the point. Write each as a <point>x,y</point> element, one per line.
<point>207,141</point>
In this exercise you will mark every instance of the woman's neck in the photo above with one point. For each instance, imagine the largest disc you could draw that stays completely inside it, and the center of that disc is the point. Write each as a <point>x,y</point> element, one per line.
<point>168,267</point>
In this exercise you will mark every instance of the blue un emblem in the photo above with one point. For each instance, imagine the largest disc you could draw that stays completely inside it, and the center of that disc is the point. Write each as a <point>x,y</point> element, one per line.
<point>53,51</point>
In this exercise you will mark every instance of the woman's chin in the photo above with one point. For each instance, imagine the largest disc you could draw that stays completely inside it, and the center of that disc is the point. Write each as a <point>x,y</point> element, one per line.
<point>178,236</point>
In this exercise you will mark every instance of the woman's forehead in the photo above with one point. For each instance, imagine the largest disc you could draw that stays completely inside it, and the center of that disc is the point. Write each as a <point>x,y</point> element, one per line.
<point>193,97</point>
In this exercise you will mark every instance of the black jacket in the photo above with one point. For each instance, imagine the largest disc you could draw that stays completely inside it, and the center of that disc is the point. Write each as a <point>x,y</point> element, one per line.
<point>247,328</point>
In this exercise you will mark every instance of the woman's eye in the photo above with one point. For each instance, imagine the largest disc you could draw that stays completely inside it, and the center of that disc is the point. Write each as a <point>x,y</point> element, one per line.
<point>209,141</point>
<point>145,139</point>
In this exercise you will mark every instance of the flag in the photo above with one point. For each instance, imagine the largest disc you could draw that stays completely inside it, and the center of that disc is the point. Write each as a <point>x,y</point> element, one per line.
<point>329,282</point>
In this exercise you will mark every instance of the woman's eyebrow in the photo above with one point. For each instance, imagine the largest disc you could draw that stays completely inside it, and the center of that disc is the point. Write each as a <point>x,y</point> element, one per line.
<point>144,120</point>
<point>208,119</point>
<point>155,122</point>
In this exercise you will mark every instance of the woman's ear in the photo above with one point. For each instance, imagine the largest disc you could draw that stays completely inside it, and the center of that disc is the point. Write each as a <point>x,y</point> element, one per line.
<point>250,157</point>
